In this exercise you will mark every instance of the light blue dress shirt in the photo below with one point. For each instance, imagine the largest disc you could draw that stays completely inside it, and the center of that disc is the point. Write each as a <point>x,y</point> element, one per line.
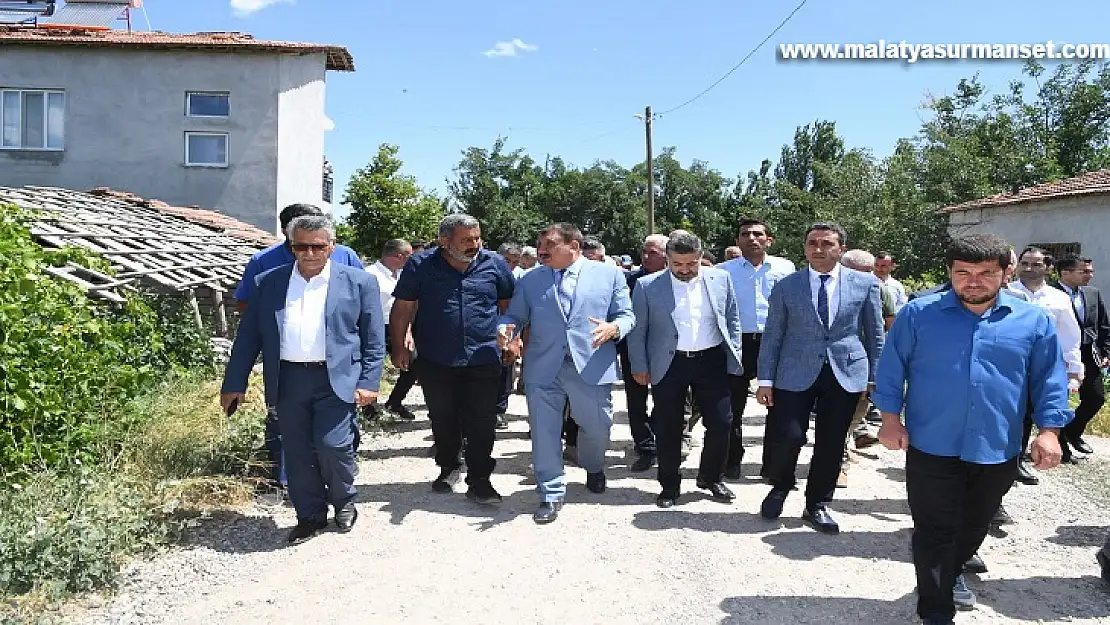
<point>753,286</point>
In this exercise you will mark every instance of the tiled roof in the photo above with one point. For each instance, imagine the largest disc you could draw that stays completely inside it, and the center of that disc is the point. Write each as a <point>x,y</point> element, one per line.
<point>1090,183</point>
<point>338,58</point>
<point>201,217</point>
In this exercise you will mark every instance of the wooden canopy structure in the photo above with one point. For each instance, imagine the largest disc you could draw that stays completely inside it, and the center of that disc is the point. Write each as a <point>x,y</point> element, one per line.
<point>146,242</point>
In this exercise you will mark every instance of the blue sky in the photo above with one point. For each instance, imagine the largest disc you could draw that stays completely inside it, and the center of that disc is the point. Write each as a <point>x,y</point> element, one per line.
<point>423,82</point>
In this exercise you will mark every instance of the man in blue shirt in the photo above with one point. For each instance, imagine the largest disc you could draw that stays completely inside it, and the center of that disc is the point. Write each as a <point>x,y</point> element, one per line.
<point>754,274</point>
<point>452,296</point>
<point>963,365</point>
<point>273,257</point>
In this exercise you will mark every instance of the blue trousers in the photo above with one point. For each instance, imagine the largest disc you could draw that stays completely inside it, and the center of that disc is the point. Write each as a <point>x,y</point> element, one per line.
<point>317,440</point>
<point>592,407</point>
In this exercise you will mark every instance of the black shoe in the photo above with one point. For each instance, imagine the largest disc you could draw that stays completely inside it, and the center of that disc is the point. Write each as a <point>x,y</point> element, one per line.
<point>596,482</point>
<point>345,517</point>
<point>975,564</point>
<point>1001,517</point>
<point>502,423</point>
<point>1104,564</point>
<point>772,504</point>
<point>446,481</point>
<point>305,530</point>
<point>432,451</point>
<point>719,491</point>
<point>643,463</point>
<point>667,498</point>
<point>1081,445</point>
<point>819,518</point>
<point>402,412</point>
<point>1068,458</point>
<point>733,472</point>
<point>547,512</point>
<point>1025,474</point>
<point>962,596</point>
<point>483,494</point>
<point>937,621</point>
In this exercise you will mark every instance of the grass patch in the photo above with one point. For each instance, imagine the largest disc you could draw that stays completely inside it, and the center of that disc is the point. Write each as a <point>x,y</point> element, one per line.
<point>1100,425</point>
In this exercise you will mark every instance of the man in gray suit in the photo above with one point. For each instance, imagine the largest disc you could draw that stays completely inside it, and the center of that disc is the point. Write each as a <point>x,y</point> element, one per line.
<point>687,335</point>
<point>320,330</point>
<point>821,343</point>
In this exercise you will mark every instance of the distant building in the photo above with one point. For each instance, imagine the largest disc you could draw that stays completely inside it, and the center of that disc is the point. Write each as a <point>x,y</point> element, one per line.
<point>1069,216</point>
<point>220,120</point>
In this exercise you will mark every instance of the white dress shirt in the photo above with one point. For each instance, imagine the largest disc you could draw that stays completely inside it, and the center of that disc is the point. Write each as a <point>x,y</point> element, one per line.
<point>693,315</point>
<point>834,303</point>
<point>896,289</point>
<point>387,281</point>
<point>302,332</point>
<point>1059,306</point>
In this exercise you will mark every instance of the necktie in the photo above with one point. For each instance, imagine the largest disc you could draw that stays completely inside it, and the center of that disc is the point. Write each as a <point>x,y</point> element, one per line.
<point>823,301</point>
<point>563,293</point>
<point>1077,303</point>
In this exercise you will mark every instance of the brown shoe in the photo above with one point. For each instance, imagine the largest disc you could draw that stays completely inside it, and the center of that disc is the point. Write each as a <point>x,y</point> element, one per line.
<point>842,479</point>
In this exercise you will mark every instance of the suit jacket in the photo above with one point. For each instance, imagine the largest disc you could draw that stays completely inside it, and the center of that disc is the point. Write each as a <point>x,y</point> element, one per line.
<point>354,331</point>
<point>652,343</point>
<point>1095,325</point>
<point>795,344</point>
<point>601,292</point>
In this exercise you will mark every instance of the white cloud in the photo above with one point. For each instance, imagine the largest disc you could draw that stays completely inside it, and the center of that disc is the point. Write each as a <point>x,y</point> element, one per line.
<point>510,48</point>
<point>243,8</point>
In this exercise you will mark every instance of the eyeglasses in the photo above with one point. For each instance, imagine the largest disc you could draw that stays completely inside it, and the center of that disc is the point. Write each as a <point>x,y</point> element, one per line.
<point>304,247</point>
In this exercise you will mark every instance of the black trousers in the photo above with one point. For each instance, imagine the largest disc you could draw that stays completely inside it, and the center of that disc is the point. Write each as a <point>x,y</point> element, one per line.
<point>738,387</point>
<point>405,380</point>
<point>706,372</point>
<point>952,502</point>
<point>463,400</point>
<point>506,388</point>
<point>1092,395</point>
<point>788,424</point>
<point>570,427</point>
<point>636,394</point>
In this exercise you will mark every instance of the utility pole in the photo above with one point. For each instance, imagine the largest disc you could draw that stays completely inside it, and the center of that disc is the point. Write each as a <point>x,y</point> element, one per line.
<point>646,117</point>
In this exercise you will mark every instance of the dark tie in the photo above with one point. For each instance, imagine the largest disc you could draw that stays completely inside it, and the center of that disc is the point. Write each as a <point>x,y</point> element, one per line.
<point>823,301</point>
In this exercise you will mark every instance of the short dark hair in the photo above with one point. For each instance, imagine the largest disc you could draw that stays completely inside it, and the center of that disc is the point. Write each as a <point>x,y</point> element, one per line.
<point>978,248</point>
<point>707,255</point>
<point>394,246</point>
<point>1071,262</point>
<point>829,226</point>
<point>567,232</point>
<point>291,212</point>
<point>592,243</point>
<point>752,221</point>
<point>1048,260</point>
<point>684,243</point>
<point>419,244</point>
<point>887,255</point>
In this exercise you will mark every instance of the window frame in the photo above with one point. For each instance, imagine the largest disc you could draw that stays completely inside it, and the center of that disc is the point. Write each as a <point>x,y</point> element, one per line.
<point>209,133</point>
<point>46,93</point>
<point>188,98</point>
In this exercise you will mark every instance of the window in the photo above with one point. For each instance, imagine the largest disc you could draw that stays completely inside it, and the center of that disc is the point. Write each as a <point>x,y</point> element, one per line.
<point>1057,250</point>
<point>206,149</point>
<point>32,120</point>
<point>207,104</point>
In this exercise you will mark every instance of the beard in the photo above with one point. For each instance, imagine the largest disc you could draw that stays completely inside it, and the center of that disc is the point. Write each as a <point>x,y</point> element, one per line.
<point>684,277</point>
<point>464,256</point>
<point>979,298</point>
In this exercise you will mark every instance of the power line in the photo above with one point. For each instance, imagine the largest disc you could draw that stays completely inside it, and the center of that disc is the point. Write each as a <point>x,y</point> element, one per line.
<point>742,61</point>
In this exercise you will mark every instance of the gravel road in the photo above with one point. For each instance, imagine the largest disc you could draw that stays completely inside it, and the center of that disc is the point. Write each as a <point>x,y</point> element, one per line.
<point>419,557</point>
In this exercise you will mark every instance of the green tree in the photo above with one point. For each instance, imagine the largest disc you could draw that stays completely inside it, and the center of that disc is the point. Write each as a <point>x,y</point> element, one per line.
<point>386,204</point>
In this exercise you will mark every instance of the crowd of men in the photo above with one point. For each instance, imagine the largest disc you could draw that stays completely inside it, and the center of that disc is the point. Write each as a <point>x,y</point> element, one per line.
<point>955,376</point>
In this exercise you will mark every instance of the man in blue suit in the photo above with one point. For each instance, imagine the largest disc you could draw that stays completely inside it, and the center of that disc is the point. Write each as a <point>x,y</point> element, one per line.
<point>319,328</point>
<point>687,335</point>
<point>576,310</point>
<point>821,343</point>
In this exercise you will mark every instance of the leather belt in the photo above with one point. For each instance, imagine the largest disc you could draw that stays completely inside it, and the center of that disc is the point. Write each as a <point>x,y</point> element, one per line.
<point>700,352</point>
<point>313,364</point>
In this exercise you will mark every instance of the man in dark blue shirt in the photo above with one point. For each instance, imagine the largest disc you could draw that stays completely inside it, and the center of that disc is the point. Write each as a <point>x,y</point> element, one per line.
<point>962,366</point>
<point>452,296</point>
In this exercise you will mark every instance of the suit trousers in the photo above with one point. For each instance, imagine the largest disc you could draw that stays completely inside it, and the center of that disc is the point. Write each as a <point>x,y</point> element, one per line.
<point>1092,395</point>
<point>592,407</point>
<point>738,386</point>
<point>506,388</point>
<point>463,400</point>
<point>788,424</point>
<point>636,394</point>
<point>952,502</point>
<point>405,380</point>
<point>706,372</point>
<point>318,441</point>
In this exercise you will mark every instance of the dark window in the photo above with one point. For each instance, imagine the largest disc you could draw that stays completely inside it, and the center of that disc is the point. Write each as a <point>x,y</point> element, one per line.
<point>208,104</point>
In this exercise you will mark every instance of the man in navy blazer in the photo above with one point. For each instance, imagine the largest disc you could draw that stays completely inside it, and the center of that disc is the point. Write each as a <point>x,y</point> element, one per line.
<point>821,344</point>
<point>320,330</point>
<point>687,335</point>
<point>576,310</point>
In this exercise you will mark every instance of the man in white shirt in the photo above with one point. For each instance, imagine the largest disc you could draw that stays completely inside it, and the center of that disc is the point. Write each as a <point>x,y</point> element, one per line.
<point>528,261</point>
<point>1034,265</point>
<point>319,328</point>
<point>687,335</point>
<point>386,271</point>
<point>754,274</point>
<point>884,266</point>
